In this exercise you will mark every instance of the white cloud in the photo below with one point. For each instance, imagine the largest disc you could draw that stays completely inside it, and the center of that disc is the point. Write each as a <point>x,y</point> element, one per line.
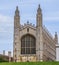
<point>4,18</point>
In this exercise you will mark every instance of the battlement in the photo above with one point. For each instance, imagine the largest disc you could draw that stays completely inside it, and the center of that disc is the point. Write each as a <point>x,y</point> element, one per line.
<point>28,25</point>
<point>47,32</point>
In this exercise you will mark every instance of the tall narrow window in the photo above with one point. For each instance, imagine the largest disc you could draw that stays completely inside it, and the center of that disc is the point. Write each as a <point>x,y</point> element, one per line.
<point>27,29</point>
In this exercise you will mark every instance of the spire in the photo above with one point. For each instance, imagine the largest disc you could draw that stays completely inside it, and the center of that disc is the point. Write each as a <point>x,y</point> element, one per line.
<point>39,9</point>
<point>27,22</point>
<point>56,37</point>
<point>16,18</point>
<point>17,11</point>
<point>55,34</point>
<point>39,17</point>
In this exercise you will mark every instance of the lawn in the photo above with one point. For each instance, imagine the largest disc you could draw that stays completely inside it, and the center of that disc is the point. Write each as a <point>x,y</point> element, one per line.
<point>30,63</point>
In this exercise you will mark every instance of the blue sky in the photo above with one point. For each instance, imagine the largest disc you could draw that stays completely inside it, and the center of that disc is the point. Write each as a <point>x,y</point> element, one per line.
<point>28,10</point>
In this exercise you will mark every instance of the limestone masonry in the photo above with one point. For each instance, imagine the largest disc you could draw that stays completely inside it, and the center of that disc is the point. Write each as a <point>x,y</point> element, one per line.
<point>33,43</point>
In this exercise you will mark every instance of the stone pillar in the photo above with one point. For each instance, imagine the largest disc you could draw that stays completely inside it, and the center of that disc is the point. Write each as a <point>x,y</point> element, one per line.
<point>9,55</point>
<point>3,52</point>
<point>37,44</point>
<point>41,45</point>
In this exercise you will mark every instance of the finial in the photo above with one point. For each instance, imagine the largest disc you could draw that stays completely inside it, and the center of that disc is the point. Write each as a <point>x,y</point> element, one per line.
<point>56,37</point>
<point>55,32</point>
<point>16,7</point>
<point>27,22</point>
<point>39,9</point>
<point>17,11</point>
<point>39,5</point>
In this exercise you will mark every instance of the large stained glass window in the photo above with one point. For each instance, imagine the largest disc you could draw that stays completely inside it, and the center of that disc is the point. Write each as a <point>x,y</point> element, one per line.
<point>28,44</point>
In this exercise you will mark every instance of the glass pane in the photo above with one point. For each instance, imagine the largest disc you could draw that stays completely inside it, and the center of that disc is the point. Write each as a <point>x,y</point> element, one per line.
<point>22,50</point>
<point>33,51</point>
<point>23,44</point>
<point>27,41</point>
<point>27,38</point>
<point>27,44</point>
<point>23,39</point>
<point>32,42</point>
<point>27,50</point>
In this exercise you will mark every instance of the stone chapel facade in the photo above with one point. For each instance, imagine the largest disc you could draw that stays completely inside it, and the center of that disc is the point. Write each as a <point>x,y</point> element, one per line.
<point>33,43</point>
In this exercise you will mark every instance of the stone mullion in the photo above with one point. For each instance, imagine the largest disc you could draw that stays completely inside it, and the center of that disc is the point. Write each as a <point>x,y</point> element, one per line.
<point>25,45</point>
<point>30,45</point>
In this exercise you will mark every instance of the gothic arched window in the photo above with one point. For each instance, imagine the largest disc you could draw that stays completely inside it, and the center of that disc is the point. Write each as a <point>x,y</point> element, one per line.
<point>28,44</point>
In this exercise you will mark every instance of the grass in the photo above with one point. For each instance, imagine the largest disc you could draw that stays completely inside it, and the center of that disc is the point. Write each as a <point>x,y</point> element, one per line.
<point>29,63</point>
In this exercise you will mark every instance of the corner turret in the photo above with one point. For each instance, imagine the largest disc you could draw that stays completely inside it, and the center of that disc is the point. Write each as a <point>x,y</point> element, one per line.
<point>39,17</point>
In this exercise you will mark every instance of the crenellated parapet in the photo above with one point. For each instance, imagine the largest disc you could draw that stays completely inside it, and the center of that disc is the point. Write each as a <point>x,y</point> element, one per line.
<point>27,25</point>
<point>47,32</point>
